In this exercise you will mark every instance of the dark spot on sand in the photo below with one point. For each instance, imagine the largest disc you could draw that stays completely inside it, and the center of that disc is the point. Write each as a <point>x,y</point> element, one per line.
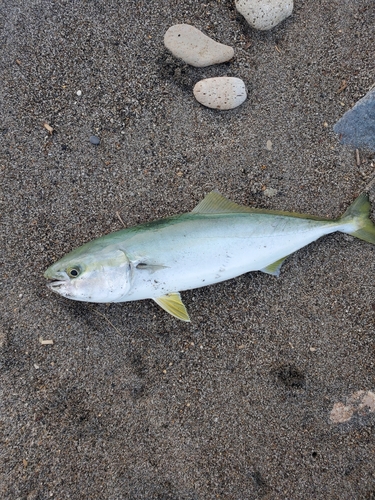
<point>290,377</point>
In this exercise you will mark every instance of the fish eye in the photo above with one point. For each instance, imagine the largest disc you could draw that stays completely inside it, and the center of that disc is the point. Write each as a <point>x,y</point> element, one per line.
<point>73,272</point>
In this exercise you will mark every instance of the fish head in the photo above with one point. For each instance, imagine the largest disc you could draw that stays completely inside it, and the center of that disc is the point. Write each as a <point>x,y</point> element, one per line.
<point>91,275</point>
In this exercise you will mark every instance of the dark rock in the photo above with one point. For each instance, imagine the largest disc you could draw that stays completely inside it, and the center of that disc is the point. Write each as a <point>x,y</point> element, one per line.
<point>357,126</point>
<point>94,140</point>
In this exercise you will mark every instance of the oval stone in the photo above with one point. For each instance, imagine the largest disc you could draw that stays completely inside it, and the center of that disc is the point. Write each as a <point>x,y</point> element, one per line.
<point>94,140</point>
<point>220,93</point>
<point>264,14</point>
<point>194,47</point>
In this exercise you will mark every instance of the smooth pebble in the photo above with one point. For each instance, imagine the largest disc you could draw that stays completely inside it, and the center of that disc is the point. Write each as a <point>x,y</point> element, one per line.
<point>264,14</point>
<point>95,140</point>
<point>220,93</point>
<point>194,47</point>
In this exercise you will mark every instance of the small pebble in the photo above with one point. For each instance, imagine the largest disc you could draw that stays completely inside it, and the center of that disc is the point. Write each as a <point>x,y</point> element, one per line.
<point>270,192</point>
<point>48,128</point>
<point>264,14</point>
<point>220,93</point>
<point>95,140</point>
<point>46,341</point>
<point>194,47</point>
<point>79,92</point>
<point>269,145</point>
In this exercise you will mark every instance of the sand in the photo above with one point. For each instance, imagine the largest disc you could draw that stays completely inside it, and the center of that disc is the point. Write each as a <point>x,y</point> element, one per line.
<point>128,402</point>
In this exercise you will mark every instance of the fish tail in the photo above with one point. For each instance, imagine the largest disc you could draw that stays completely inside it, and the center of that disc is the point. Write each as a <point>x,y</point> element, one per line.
<point>358,219</point>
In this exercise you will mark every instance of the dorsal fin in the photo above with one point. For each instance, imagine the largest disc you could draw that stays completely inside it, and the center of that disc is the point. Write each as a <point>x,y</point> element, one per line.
<point>215,203</point>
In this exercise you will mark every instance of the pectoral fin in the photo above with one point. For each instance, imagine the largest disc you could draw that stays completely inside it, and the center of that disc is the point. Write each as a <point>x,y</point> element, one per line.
<point>275,267</point>
<point>150,267</point>
<point>173,305</point>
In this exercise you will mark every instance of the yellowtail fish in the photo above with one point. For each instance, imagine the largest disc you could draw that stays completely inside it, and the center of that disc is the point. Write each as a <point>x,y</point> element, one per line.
<point>217,241</point>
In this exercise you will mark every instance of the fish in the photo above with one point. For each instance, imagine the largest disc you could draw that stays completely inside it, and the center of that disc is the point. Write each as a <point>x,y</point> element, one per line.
<point>216,241</point>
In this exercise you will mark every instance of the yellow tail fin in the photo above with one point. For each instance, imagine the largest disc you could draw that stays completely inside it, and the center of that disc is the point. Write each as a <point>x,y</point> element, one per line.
<point>359,212</point>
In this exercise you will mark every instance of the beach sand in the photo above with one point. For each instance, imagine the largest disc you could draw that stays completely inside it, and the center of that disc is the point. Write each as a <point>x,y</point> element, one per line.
<point>128,402</point>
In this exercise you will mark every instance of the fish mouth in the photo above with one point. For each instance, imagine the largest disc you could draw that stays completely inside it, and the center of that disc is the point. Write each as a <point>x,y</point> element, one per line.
<point>55,283</point>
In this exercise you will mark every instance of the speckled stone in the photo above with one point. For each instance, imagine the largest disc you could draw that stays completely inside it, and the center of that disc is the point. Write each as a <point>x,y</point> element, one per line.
<point>221,92</point>
<point>264,14</point>
<point>194,47</point>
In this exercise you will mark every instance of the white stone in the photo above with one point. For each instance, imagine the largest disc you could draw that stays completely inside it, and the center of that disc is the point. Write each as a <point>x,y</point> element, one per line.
<point>264,14</point>
<point>220,93</point>
<point>194,47</point>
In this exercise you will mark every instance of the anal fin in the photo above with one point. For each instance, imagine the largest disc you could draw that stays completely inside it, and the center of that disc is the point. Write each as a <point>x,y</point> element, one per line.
<point>172,303</point>
<point>275,267</point>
